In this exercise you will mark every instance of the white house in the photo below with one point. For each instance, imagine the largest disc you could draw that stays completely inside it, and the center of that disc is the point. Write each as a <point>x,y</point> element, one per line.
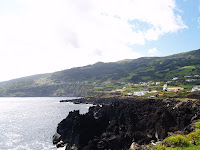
<point>157,83</point>
<point>165,87</point>
<point>187,76</point>
<point>175,78</point>
<point>196,75</point>
<point>140,93</point>
<point>129,94</point>
<point>195,88</point>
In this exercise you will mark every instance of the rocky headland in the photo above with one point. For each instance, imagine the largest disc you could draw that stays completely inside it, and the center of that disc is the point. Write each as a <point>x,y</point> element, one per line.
<point>102,100</point>
<point>123,123</point>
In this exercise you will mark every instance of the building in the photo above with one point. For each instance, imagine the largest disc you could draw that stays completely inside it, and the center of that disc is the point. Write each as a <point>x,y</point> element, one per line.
<point>165,87</point>
<point>175,89</point>
<point>140,93</point>
<point>157,83</point>
<point>169,82</point>
<point>195,88</point>
<point>130,84</point>
<point>129,94</point>
<point>175,78</point>
<point>196,75</point>
<point>154,91</point>
<point>187,76</point>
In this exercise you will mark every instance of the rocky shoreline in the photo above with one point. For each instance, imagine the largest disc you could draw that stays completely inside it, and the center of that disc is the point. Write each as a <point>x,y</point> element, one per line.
<point>119,123</point>
<point>101,100</point>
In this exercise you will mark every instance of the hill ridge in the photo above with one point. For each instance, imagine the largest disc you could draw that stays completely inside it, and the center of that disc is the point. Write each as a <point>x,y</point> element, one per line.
<point>81,81</point>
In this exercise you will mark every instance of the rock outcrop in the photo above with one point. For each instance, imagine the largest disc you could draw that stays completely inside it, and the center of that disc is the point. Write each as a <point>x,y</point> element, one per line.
<point>118,125</point>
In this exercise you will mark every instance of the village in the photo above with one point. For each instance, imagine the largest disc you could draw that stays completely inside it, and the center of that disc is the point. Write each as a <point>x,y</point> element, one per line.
<point>155,89</point>
<point>161,89</point>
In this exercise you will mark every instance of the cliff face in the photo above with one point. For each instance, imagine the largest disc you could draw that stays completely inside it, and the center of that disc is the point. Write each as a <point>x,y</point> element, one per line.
<point>117,125</point>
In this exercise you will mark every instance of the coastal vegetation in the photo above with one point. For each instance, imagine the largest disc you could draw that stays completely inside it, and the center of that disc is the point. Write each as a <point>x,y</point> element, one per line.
<point>107,79</point>
<point>190,141</point>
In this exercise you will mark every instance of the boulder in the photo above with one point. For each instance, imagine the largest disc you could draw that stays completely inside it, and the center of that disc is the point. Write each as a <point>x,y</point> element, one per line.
<point>56,138</point>
<point>60,144</point>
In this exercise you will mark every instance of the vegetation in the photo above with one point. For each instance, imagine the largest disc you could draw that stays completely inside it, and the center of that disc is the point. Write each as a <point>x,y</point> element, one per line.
<point>107,78</point>
<point>181,142</point>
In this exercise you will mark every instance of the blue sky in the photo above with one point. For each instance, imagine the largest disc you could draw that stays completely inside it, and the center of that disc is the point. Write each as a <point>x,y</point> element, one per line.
<point>183,40</point>
<point>42,36</point>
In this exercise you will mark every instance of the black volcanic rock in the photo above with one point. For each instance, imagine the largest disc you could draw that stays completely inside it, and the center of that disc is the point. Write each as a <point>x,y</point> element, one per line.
<point>56,138</point>
<point>118,125</point>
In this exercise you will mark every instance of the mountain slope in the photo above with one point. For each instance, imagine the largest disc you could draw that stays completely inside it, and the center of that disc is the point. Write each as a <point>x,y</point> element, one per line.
<point>82,81</point>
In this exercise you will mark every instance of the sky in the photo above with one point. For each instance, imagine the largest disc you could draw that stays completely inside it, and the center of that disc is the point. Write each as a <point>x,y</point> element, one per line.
<point>44,36</point>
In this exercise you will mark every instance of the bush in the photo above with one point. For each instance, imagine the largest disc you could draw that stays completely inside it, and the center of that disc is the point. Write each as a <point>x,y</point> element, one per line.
<point>193,136</point>
<point>159,147</point>
<point>197,131</point>
<point>197,125</point>
<point>177,141</point>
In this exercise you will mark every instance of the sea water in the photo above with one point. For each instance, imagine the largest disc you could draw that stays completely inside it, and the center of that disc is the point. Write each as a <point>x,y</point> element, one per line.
<point>30,123</point>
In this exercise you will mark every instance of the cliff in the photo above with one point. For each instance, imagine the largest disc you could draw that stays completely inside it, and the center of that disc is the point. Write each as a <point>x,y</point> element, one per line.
<point>118,125</point>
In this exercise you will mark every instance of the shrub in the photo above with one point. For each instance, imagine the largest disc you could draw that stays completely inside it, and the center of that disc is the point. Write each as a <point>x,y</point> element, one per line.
<point>193,136</point>
<point>159,147</point>
<point>197,125</point>
<point>197,131</point>
<point>177,141</point>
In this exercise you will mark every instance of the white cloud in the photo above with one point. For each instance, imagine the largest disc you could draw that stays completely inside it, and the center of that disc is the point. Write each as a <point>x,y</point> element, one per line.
<point>153,51</point>
<point>48,35</point>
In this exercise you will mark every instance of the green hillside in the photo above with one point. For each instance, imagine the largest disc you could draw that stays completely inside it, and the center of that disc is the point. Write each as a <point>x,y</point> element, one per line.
<point>91,79</point>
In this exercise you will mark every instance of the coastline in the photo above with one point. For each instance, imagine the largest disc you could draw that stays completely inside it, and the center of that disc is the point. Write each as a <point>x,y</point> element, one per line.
<point>102,100</point>
<point>118,123</point>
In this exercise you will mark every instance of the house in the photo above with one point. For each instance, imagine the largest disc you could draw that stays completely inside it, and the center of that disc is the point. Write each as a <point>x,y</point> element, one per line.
<point>175,89</point>
<point>187,76</point>
<point>195,88</point>
<point>129,94</point>
<point>152,96</point>
<point>143,83</point>
<point>165,87</point>
<point>175,78</point>
<point>122,83</point>
<point>191,80</point>
<point>154,91</point>
<point>157,83</point>
<point>108,82</point>
<point>196,76</point>
<point>140,93</point>
<point>169,82</point>
<point>130,84</point>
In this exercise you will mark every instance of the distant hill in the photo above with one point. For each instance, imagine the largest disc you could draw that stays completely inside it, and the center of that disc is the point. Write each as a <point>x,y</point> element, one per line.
<point>81,81</point>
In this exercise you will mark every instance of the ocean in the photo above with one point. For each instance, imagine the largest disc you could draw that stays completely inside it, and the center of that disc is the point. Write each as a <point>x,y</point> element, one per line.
<point>28,123</point>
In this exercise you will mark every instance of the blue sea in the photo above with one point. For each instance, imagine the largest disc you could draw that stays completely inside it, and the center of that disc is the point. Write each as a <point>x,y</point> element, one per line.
<point>29,123</point>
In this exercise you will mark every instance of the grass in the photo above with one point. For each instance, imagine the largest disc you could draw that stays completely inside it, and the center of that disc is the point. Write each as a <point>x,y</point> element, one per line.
<point>188,67</point>
<point>177,141</point>
<point>190,141</point>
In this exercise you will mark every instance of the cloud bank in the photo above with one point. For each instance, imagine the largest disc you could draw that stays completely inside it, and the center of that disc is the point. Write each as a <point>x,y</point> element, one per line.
<point>47,35</point>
